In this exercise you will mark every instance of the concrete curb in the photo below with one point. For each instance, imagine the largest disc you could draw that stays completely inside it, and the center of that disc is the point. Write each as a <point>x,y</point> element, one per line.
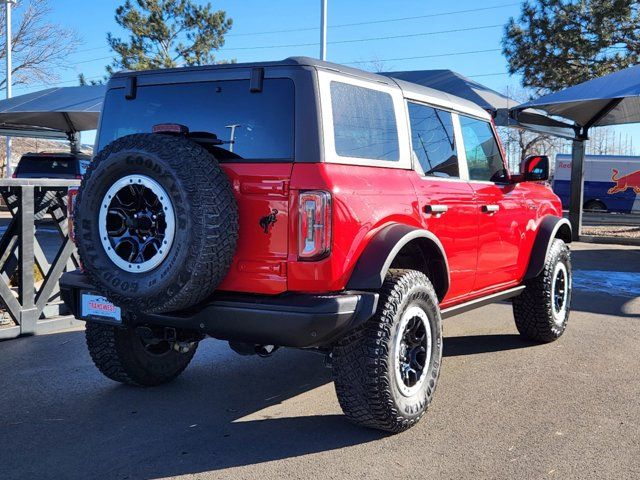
<point>610,240</point>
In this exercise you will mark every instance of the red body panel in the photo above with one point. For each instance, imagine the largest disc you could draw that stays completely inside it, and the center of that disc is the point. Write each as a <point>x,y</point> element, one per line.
<point>365,199</point>
<point>457,229</point>
<point>500,234</point>
<point>260,262</point>
<point>486,252</point>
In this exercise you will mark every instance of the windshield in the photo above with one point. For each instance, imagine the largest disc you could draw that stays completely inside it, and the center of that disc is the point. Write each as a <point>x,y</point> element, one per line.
<point>253,126</point>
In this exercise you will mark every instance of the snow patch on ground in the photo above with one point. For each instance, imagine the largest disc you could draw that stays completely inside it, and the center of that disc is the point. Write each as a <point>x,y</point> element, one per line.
<point>626,284</point>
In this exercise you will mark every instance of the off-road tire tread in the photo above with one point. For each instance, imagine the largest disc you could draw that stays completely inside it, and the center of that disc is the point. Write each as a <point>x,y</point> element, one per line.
<point>532,308</point>
<point>361,360</point>
<point>115,361</point>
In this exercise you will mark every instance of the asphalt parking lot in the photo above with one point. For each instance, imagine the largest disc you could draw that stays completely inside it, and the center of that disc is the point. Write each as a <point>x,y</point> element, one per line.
<point>504,408</point>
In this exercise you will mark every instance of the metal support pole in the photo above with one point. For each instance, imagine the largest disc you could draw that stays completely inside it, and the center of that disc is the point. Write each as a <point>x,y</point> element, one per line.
<point>577,187</point>
<point>323,30</point>
<point>8,4</point>
<point>26,287</point>
<point>75,142</point>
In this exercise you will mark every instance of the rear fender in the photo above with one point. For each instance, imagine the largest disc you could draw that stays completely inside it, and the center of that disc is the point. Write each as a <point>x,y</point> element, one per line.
<point>374,263</point>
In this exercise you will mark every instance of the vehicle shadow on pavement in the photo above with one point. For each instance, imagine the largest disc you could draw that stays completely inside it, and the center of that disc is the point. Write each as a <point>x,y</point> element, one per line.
<point>605,304</point>
<point>68,421</point>
<point>604,296</point>
<point>474,344</point>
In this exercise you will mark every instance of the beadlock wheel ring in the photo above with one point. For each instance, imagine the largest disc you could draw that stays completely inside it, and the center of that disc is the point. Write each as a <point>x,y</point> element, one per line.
<point>560,286</point>
<point>136,223</point>
<point>413,350</point>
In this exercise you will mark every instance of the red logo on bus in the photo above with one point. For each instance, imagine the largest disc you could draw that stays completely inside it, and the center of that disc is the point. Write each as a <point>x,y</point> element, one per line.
<point>623,183</point>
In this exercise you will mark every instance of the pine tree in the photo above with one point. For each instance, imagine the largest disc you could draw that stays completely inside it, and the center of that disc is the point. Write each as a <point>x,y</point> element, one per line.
<point>559,43</point>
<point>167,33</point>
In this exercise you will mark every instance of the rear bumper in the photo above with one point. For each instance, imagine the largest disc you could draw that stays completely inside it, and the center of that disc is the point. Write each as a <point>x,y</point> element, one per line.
<point>289,320</point>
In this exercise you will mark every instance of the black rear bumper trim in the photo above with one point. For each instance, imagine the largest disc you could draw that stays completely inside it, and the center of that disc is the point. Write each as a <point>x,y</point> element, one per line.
<point>290,319</point>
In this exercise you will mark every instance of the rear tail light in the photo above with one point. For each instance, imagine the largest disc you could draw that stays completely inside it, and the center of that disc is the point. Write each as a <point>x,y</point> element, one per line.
<point>13,175</point>
<point>315,225</point>
<point>71,206</point>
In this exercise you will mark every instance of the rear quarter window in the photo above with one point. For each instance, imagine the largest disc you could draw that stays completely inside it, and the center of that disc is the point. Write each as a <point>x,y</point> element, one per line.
<point>364,123</point>
<point>253,126</point>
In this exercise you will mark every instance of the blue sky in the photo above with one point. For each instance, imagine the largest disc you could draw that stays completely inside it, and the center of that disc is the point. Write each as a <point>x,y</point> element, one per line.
<point>478,29</point>
<point>93,19</point>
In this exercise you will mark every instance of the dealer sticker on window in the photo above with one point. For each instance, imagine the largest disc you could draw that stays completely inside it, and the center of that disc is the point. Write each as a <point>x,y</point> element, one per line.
<point>98,306</point>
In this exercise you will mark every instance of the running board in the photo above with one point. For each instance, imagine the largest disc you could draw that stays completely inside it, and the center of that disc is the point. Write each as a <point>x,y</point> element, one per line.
<point>481,302</point>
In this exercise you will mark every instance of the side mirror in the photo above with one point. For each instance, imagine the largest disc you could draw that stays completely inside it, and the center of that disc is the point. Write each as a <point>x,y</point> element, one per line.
<point>535,168</point>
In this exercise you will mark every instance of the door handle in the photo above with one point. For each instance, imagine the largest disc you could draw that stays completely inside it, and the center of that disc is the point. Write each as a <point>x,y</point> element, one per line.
<point>436,209</point>
<point>490,208</point>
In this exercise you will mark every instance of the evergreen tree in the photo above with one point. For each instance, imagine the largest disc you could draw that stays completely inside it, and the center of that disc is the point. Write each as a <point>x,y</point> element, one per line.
<point>167,33</point>
<point>559,43</point>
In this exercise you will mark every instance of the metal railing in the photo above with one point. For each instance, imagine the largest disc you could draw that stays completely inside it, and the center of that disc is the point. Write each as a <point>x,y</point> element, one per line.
<point>34,306</point>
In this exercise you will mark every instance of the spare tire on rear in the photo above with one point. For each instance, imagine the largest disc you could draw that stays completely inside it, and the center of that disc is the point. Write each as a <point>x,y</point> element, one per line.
<point>156,223</point>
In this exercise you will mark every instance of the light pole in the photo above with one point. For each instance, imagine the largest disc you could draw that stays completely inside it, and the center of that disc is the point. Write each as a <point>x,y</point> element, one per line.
<point>8,5</point>
<point>323,29</point>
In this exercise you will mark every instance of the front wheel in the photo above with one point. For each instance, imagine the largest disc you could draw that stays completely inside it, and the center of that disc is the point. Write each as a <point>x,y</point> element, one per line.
<point>121,354</point>
<point>541,311</point>
<point>385,373</point>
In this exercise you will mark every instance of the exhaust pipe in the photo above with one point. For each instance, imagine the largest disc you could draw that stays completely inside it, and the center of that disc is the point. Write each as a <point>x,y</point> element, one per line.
<point>246,349</point>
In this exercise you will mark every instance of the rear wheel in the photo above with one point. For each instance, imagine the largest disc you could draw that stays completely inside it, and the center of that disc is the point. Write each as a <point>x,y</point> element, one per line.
<point>386,372</point>
<point>595,206</point>
<point>123,355</point>
<point>541,311</point>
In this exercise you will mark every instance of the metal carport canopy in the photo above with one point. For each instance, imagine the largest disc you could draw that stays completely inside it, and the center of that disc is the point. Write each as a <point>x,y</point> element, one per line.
<point>494,102</point>
<point>610,100</point>
<point>67,109</point>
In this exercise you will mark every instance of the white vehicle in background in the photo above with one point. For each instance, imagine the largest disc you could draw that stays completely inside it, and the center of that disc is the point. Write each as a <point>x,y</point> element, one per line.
<point>611,182</point>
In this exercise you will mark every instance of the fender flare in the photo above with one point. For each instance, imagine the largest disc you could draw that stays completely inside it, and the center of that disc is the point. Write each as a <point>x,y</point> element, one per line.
<point>547,232</point>
<point>374,262</point>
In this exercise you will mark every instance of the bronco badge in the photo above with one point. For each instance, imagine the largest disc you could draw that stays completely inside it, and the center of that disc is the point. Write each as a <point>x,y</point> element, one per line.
<point>268,221</point>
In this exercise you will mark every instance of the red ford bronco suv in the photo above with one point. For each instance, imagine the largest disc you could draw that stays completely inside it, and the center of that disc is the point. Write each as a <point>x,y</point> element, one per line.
<point>305,204</point>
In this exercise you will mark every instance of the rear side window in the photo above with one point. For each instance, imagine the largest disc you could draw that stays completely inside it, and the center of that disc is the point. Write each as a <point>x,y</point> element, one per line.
<point>433,141</point>
<point>255,126</point>
<point>483,153</point>
<point>364,123</point>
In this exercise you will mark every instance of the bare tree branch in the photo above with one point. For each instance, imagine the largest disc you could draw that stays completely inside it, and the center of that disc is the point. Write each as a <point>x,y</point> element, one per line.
<point>39,47</point>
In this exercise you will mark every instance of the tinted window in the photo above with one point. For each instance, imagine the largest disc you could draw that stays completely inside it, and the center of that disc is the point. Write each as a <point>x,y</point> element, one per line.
<point>46,166</point>
<point>483,153</point>
<point>264,128</point>
<point>433,141</point>
<point>364,123</point>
